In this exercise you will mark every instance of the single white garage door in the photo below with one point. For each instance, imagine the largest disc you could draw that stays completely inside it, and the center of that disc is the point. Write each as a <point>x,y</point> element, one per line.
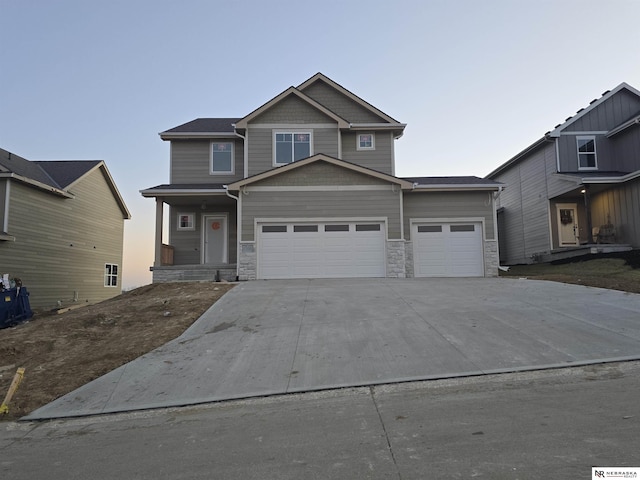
<point>447,249</point>
<point>321,250</point>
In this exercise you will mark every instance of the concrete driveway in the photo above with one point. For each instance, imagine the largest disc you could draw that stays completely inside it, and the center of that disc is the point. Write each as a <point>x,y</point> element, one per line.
<point>273,337</point>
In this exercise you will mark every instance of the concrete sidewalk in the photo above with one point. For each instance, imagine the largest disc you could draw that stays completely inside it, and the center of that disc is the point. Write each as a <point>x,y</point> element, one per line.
<point>272,337</point>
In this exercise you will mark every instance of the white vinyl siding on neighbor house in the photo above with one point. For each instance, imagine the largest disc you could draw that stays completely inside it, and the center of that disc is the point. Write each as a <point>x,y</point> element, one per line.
<point>442,249</point>
<point>587,158</point>
<point>328,249</point>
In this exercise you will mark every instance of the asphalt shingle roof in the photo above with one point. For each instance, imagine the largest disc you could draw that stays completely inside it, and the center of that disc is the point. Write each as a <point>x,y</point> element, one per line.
<point>205,125</point>
<point>450,181</point>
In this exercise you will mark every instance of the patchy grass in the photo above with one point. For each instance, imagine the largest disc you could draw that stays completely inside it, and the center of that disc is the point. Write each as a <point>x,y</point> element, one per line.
<point>604,272</point>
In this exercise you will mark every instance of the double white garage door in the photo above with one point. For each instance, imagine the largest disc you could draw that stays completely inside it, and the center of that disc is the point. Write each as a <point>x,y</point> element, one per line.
<point>321,250</point>
<point>357,249</point>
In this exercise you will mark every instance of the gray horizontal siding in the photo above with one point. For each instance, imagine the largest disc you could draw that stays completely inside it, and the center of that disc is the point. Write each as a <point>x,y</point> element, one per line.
<point>61,244</point>
<point>320,173</point>
<point>187,244</point>
<point>340,104</point>
<point>3,194</point>
<point>191,162</point>
<point>292,110</point>
<point>449,205</point>
<point>380,159</point>
<point>325,140</point>
<point>354,204</point>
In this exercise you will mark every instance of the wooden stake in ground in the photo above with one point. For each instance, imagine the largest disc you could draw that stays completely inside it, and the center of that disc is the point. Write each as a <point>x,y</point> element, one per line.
<point>17,378</point>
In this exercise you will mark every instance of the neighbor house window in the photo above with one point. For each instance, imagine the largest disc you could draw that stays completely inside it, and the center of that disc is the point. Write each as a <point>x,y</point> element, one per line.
<point>222,157</point>
<point>110,275</point>
<point>365,141</point>
<point>587,153</point>
<point>291,146</point>
<point>186,221</point>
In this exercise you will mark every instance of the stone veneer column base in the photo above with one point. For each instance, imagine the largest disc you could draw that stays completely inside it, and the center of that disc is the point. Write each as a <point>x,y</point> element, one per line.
<point>247,261</point>
<point>491,260</point>
<point>396,259</point>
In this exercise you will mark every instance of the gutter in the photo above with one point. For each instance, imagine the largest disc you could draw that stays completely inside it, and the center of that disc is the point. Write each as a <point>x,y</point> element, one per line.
<point>245,151</point>
<point>35,183</point>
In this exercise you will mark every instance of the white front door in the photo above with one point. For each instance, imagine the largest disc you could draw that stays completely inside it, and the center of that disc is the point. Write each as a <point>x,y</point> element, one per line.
<point>214,239</point>
<point>568,232</point>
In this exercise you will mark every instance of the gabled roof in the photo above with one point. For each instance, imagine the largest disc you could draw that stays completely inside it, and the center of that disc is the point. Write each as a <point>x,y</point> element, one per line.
<point>594,104</point>
<point>549,136</point>
<point>55,176</point>
<point>202,127</point>
<point>316,158</point>
<point>242,123</point>
<point>323,78</point>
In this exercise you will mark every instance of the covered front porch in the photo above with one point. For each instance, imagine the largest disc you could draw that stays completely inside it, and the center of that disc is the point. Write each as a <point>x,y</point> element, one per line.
<point>196,236</point>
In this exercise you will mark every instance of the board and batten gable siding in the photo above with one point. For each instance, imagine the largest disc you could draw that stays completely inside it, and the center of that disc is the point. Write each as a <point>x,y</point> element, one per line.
<point>626,150</point>
<point>62,245</point>
<point>568,150</point>
<point>341,105</point>
<point>609,114</point>
<point>321,204</point>
<point>620,206</point>
<point>191,162</point>
<point>260,140</point>
<point>449,205</point>
<point>187,244</point>
<point>380,159</point>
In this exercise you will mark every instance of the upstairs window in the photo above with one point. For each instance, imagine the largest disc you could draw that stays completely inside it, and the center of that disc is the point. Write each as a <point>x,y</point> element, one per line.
<point>365,141</point>
<point>221,157</point>
<point>291,146</point>
<point>587,153</point>
<point>110,275</point>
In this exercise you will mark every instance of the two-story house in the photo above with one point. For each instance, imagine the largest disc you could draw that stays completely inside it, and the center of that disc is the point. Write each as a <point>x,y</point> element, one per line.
<point>576,188</point>
<point>305,187</point>
<point>62,229</point>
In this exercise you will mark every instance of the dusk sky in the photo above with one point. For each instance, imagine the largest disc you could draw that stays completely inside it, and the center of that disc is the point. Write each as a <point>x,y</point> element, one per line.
<point>475,81</point>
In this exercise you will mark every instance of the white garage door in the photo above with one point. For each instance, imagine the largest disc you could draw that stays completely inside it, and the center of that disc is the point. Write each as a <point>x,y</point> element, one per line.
<point>321,250</point>
<point>447,249</point>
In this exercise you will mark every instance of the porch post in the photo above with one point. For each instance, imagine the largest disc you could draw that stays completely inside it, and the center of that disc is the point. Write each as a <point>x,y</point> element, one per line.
<point>587,210</point>
<point>159,227</point>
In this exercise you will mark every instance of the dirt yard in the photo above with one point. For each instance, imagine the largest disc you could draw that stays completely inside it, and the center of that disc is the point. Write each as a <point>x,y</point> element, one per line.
<point>61,352</point>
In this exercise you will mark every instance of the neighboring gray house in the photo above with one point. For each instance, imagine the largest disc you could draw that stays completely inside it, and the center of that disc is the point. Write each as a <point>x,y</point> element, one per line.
<point>576,188</point>
<point>62,229</point>
<point>304,186</point>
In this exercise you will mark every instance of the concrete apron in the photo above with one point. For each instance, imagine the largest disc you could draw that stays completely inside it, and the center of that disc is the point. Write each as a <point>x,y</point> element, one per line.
<point>275,337</point>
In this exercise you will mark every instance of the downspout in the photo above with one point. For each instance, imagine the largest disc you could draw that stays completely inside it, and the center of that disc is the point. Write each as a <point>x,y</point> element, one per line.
<point>245,152</point>
<point>238,228</point>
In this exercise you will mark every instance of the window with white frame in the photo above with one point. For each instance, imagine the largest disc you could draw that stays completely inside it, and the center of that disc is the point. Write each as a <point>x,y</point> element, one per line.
<point>291,146</point>
<point>186,221</point>
<point>587,153</point>
<point>221,157</point>
<point>365,141</point>
<point>110,275</point>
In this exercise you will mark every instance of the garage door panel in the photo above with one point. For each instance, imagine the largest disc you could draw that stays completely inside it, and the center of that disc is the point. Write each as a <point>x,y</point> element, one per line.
<point>448,250</point>
<point>322,250</point>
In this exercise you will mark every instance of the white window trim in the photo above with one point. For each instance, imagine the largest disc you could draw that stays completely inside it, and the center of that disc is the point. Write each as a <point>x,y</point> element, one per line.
<point>107,276</point>
<point>373,141</point>
<point>293,132</point>
<point>193,222</point>
<point>595,151</point>
<point>233,157</point>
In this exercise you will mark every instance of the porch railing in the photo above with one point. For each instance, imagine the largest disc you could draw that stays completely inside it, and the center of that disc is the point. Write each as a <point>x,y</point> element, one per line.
<point>166,257</point>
